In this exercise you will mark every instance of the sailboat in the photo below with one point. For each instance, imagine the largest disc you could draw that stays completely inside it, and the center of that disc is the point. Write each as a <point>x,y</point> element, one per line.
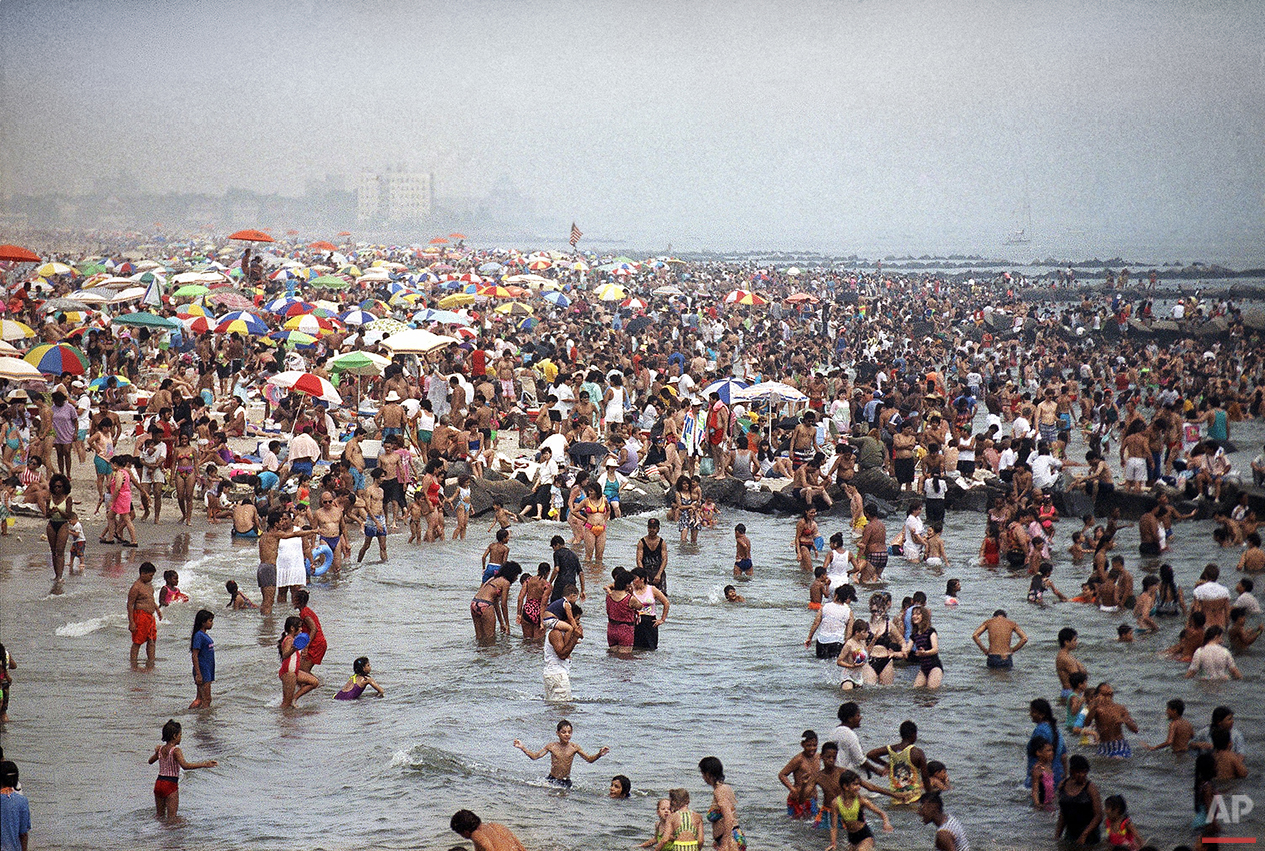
<point>1023,235</point>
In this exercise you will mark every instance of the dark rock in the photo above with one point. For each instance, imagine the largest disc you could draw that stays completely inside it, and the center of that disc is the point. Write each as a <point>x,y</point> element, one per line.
<point>975,499</point>
<point>761,501</point>
<point>510,492</point>
<point>875,482</point>
<point>726,491</point>
<point>637,496</point>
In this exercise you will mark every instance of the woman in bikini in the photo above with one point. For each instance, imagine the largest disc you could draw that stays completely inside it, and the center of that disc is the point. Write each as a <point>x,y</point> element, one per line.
<point>887,637</point>
<point>686,510</point>
<point>60,513</point>
<point>185,476</point>
<point>531,603</point>
<point>575,496</point>
<point>432,485</point>
<point>491,604</point>
<point>596,511</point>
<point>295,682</point>
<point>806,539</point>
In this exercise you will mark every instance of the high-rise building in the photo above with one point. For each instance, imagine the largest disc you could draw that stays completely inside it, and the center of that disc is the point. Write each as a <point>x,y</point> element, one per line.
<point>394,197</point>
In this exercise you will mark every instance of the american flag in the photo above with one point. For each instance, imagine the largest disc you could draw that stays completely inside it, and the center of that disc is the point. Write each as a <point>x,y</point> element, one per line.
<point>575,234</point>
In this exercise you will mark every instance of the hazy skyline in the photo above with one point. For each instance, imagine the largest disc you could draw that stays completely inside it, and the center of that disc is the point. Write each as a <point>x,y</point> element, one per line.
<point>853,125</point>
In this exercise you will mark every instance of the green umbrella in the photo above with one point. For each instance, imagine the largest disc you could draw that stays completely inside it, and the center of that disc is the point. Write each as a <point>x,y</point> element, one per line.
<point>190,290</point>
<point>329,282</point>
<point>145,320</point>
<point>88,269</point>
<point>358,363</point>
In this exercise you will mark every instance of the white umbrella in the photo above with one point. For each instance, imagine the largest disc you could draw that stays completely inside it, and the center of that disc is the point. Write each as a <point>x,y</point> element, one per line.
<point>769,391</point>
<point>88,297</point>
<point>6,349</point>
<point>129,295</point>
<point>417,341</point>
<point>16,369</point>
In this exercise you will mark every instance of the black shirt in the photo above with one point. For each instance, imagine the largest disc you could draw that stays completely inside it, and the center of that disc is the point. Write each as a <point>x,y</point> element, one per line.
<point>567,564</point>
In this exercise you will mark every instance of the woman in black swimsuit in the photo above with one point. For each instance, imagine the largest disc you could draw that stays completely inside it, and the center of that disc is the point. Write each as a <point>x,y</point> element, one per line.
<point>652,555</point>
<point>887,639</point>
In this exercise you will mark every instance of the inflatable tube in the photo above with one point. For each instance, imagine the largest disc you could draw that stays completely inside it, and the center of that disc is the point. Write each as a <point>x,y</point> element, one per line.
<point>818,543</point>
<point>301,640</point>
<point>322,558</point>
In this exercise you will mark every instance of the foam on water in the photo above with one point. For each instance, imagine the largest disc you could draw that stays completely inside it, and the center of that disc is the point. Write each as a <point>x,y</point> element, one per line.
<point>82,628</point>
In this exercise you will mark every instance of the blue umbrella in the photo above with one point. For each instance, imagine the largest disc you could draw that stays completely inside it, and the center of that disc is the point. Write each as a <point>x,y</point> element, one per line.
<point>491,267</point>
<point>556,298</point>
<point>724,387</point>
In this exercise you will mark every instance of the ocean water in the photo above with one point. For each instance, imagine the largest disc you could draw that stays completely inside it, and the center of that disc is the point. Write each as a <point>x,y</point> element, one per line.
<point>729,680</point>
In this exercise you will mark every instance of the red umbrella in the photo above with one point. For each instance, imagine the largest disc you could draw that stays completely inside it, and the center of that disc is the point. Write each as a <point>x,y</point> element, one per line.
<point>251,236</point>
<point>456,236</point>
<point>292,233</point>
<point>322,245</point>
<point>439,240</point>
<point>344,233</point>
<point>18,254</point>
<point>799,298</point>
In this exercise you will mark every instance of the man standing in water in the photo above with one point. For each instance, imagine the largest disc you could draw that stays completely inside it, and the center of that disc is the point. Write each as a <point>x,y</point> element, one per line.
<point>1109,719</point>
<point>566,569</point>
<point>949,833</point>
<point>486,837</point>
<point>1001,630</point>
<point>562,639</point>
<point>874,543</point>
<point>141,613</point>
<point>1065,664</point>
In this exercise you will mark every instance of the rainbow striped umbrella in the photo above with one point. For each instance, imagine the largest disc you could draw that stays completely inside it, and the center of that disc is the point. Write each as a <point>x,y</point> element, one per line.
<point>297,339</point>
<point>98,384</point>
<point>310,324</point>
<point>57,358</point>
<point>199,324</point>
<point>241,322</point>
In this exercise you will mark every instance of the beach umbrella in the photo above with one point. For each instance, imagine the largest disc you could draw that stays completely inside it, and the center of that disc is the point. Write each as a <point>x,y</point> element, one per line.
<point>280,305</point>
<point>447,317</point>
<point>16,369</point>
<point>745,297</point>
<point>404,299</point>
<point>190,291</point>
<point>108,283</point>
<point>725,387</point>
<point>356,317</point>
<point>456,300</point>
<point>329,282</point>
<point>9,350</point>
<point>145,320</point>
<point>322,245</point>
<point>417,341</point>
<point>187,310</point>
<point>199,324</point>
<point>491,267</point>
<point>76,316</point>
<point>241,322</point>
<point>466,333</point>
<point>307,384</point>
<point>801,298</point>
<point>302,308</point>
<point>231,300</point>
<point>375,304</point>
<point>57,358</point>
<point>667,290</point>
<point>88,297</point>
<point>96,385</point>
<point>299,339</point>
<point>55,304</point>
<point>557,299</point>
<point>387,326</point>
<point>634,302</point>
<point>493,291</point>
<point>18,254</point>
<point>359,363</point>
<point>129,294</point>
<point>11,329</point>
<point>456,236</point>
<point>514,308</point>
<point>350,269</point>
<point>50,269</point>
<point>310,324</point>
<point>610,292</point>
<point>439,240</point>
<point>639,324</point>
<point>251,236</point>
<point>767,391</point>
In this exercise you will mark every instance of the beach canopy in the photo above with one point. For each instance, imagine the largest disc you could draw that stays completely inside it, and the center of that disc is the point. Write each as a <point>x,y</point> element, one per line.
<point>251,236</point>
<point>57,358</point>
<point>359,363</point>
<point>16,369</point>
<point>307,384</point>
<point>18,254</point>
<point>726,387</point>
<point>145,320</point>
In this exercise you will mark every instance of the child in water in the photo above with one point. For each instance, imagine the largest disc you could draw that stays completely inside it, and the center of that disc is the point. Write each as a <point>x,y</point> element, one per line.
<point>561,754</point>
<point>170,760</point>
<point>460,500</point>
<point>937,777</point>
<point>236,599</point>
<point>732,595</point>
<point>1043,797</point>
<point>78,545</point>
<point>170,592</point>
<point>663,810</point>
<point>416,510</point>
<point>1120,830</point>
<point>951,590</point>
<point>359,680</point>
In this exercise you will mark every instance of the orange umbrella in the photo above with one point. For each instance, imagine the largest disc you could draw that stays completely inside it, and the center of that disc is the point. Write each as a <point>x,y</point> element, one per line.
<point>322,245</point>
<point>18,254</point>
<point>456,236</point>
<point>439,240</point>
<point>292,233</point>
<point>251,236</point>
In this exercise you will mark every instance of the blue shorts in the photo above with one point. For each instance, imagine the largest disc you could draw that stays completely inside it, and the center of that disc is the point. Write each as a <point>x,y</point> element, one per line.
<point>392,432</point>
<point>489,572</point>
<point>301,468</point>
<point>744,564</point>
<point>357,479</point>
<point>376,526</point>
<point>268,480</point>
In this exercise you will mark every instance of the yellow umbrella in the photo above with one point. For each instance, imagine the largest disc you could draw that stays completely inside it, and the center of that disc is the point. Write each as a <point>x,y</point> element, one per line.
<point>610,292</point>
<point>514,308</point>
<point>53,269</point>
<point>456,300</point>
<point>11,329</point>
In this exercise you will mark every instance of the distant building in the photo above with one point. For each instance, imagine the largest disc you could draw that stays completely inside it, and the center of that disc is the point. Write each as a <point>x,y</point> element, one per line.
<point>394,197</point>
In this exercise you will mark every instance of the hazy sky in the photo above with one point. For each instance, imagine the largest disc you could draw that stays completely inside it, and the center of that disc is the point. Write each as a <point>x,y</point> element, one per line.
<point>853,125</point>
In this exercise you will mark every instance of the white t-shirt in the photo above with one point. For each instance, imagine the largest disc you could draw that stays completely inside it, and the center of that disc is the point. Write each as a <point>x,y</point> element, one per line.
<point>1247,601</point>
<point>1020,427</point>
<point>913,526</point>
<point>834,623</point>
<point>1212,662</point>
<point>1045,471</point>
<point>851,757</point>
<point>553,663</point>
<point>1211,591</point>
<point>1006,459</point>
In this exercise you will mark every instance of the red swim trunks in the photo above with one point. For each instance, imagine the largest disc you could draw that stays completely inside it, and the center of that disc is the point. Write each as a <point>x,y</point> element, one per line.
<point>145,627</point>
<point>316,650</point>
<point>165,787</point>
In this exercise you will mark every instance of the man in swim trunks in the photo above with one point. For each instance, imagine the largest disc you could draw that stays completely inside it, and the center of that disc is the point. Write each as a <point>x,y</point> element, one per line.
<point>142,610</point>
<point>1110,719</point>
<point>392,416</point>
<point>803,440</point>
<point>279,526</point>
<point>486,836</point>
<point>1001,630</point>
<point>331,525</point>
<point>246,520</point>
<point>376,521</point>
<point>873,542</point>
<point>801,802</point>
<point>1065,664</point>
<point>304,452</point>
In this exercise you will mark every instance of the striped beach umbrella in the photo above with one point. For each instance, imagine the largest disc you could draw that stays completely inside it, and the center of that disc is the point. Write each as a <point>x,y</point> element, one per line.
<point>298,339</point>
<point>96,385</point>
<point>310,324</point>
<point>556,298</point>
<point>356,317</point>
<point>11,329</point>
<point>57,358</point>
<point>241,322</point>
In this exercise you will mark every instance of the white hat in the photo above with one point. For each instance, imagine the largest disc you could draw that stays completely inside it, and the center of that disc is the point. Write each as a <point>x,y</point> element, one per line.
<point>393,396</point>
<point>612,462</point>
